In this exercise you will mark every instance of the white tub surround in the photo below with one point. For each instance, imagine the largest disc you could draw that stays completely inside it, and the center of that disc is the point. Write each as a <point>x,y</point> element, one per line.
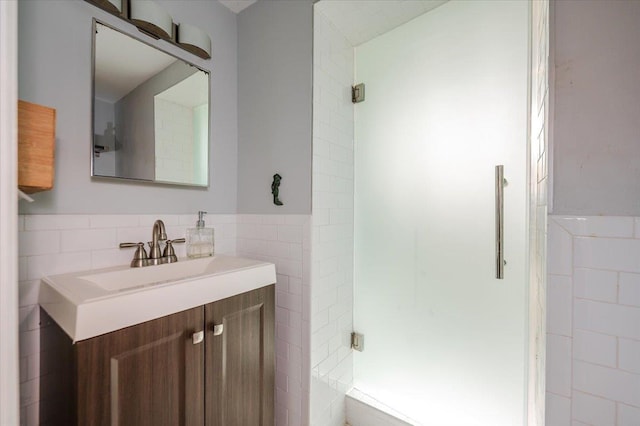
<point>363,410</point>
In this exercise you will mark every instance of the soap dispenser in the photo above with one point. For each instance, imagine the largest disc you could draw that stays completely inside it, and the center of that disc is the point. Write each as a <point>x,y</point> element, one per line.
<point>200,239</point>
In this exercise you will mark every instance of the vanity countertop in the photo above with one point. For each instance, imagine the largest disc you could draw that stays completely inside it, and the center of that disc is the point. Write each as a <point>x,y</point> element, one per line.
<point>90,303</point>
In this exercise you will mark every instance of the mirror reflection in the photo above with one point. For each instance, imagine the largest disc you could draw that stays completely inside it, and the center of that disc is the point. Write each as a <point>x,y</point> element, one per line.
<point>150,113</point>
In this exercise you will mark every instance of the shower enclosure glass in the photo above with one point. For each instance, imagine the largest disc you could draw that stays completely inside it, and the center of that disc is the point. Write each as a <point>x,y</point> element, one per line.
<point>446,101</point>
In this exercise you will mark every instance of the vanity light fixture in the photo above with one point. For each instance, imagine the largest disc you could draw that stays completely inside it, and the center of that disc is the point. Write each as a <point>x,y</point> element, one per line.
<point>194,40</point>
<point>154,21</point>
<point>151,19</point>
<point>111,6</point>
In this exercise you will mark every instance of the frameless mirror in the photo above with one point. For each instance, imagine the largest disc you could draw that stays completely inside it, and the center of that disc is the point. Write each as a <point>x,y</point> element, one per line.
<point>150,113</point>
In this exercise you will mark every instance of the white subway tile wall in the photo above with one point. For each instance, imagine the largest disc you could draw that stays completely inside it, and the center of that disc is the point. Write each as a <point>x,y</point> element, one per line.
<point>558,409</point>
<point>628,416</point>
<point>51,244</point>
<point>593,365</point>
<point>332,225</point>
<point>284,241</point>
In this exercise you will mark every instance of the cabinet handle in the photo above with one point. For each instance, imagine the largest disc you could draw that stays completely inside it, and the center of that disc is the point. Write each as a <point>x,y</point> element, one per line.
<point>218,329</point>
<point>197,337</point>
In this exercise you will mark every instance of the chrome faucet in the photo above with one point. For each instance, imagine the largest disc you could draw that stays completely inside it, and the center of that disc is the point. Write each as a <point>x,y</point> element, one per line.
<point>157,234</point>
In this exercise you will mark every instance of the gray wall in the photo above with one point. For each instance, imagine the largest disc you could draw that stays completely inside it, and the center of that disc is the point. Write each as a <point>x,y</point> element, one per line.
<point>596,128</point>
<point>275,62</point>
<point>55,70</point>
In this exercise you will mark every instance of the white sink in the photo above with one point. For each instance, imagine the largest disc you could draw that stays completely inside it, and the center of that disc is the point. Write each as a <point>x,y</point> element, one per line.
<point>90,303</point>
<point>123,280</point>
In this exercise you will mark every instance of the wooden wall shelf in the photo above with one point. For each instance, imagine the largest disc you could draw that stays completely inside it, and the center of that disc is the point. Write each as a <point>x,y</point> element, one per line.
<point>36,146</point>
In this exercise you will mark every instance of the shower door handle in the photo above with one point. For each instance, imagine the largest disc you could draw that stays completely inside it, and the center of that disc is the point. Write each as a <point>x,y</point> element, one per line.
<point>500,183</point>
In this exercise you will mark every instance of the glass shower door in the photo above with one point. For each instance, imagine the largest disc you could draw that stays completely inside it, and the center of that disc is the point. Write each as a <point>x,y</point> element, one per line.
<point>446,101</point>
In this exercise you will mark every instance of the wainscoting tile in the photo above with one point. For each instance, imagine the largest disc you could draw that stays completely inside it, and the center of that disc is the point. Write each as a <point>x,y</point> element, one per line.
<point>598,226</point>
<point>629,293</point>
<point>559,296</point>
<point>614,254</point>
<point>559,364</point>
<point>558,410</point>
<point>596,285</point>
<point>595,348</point>
<point>593,410</point>
<point>605,339</point>
<point>608,383</point>
<point>559,251</point>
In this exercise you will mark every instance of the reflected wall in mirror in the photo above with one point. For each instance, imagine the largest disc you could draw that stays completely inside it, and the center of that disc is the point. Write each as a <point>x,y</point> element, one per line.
<point>150,113</point>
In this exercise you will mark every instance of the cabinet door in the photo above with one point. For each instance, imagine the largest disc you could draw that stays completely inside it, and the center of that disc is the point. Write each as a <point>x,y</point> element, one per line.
<point>240,365</point>
<point>150,374</point>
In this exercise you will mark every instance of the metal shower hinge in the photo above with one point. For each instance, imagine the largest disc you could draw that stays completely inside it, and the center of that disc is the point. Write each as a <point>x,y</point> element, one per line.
<point>357,93</point>
<point>357,341</point>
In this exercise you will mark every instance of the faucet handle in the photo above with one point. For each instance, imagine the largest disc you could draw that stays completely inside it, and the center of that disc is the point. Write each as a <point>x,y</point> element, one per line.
<point>140,255</point>
<point>169,254</point>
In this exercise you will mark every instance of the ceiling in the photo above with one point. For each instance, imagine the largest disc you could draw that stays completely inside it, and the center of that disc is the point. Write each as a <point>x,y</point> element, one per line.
<point>362,20</point>
<point>237,5</point>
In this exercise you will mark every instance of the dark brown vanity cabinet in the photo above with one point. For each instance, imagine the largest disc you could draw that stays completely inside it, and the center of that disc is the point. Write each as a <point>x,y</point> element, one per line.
<point>240,369</point>
<point>164,373</point>
<point>150,374</point>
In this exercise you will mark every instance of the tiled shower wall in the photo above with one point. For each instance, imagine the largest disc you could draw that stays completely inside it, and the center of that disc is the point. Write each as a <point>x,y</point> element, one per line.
<point>332,225</point>
<point>593,322</point>
<point>53,244</point>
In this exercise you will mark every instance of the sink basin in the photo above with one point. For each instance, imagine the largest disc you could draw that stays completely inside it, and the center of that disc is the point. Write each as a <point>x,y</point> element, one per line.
<point>122,280</point>
<point>90,303</point>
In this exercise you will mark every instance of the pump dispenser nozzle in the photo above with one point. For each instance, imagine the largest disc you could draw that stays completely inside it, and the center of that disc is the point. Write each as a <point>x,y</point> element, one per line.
<point>200,222</point>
